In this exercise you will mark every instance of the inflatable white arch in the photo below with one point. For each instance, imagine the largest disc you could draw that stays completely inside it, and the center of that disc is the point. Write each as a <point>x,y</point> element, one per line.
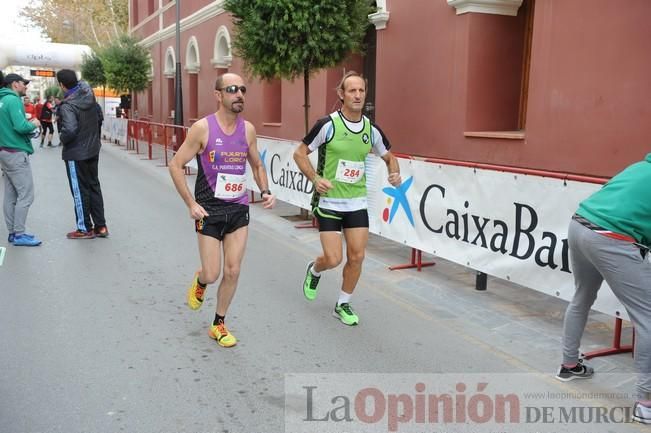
<point>45,55</point>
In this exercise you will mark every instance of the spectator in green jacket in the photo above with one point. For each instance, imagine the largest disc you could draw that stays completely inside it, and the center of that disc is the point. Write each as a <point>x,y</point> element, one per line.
<point>15,148</point>
<point>609,238</point>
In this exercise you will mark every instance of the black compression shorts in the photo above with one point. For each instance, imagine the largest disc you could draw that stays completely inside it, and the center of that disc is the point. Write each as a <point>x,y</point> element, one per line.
<point>335,221</point>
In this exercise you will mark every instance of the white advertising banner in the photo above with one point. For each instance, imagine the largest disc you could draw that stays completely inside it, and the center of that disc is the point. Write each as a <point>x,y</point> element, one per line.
<point>115,129</point>
<point>511,226</point>
<point>49,55</point>
<point>285,179</point>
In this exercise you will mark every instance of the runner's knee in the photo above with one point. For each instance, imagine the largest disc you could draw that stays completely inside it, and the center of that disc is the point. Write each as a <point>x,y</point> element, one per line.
<point>331,260</point>
<point>210,276</point>
<point>231,272</point>
<point>355,257</point>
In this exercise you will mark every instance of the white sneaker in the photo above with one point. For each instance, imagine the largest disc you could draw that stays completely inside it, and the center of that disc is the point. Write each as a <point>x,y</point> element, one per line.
<point>641,414</point>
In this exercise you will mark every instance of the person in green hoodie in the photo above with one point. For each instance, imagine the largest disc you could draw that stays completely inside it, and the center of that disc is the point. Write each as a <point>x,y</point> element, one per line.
<point>609,238</point>
<point>15,148</point>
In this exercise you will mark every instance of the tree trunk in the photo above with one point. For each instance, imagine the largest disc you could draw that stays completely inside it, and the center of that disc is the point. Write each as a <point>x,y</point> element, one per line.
<point>306,87</point>
<point>115,27</point>
<point>306,106</point>
<point>92,28</point>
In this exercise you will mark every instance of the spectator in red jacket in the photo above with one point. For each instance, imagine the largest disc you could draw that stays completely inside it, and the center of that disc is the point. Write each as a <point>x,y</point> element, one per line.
<point>46,118</point>
<point>30,111</point>
<point>38,107</point>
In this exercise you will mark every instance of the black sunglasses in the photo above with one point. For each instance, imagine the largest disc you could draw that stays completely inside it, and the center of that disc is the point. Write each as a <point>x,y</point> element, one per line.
<point>233,89</point>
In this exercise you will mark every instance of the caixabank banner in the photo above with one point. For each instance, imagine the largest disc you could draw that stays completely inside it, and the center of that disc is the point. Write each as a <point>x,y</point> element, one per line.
<point>285,179</point>
<point>511,226</point>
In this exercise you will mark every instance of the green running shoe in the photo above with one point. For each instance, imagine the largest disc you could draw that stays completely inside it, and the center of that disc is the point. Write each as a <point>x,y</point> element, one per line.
<point>310,284</point>
<point>345,313</point>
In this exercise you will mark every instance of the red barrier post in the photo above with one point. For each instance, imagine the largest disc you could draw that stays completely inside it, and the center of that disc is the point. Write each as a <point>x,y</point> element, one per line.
<point>134,136</point>
<point>311,225</point>
<point>617,344</point>
<point>149,141</point>
<point>140,134</point>
<point>166,144</point>
<point>130,133</point>
<point>416,262</point>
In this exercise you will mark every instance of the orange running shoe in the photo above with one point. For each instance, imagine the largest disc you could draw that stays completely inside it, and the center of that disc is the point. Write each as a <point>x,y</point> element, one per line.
<point>222,335</point>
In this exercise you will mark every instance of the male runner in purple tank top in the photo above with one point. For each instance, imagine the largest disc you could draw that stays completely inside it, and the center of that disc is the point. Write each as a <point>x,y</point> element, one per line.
<point>222,143</point>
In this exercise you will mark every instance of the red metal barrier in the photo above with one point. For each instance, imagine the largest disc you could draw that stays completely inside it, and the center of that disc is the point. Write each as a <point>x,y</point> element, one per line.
<point>179,133</point>
<point>136,131</point>
<point>131,134</point>
<point>617,347</point>
<point>149,143</point>
<point>157,136</point>
<point>416,262</point>
<point>169,137</point>
<point>314,224</point>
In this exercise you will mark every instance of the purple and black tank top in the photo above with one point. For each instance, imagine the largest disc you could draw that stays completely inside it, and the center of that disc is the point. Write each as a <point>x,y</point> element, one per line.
<point>220,187</point>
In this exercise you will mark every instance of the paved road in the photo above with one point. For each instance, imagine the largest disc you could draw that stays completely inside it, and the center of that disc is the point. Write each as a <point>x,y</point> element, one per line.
<point>95,336</point>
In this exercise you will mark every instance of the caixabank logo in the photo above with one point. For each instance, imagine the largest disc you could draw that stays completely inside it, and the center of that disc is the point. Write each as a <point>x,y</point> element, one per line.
<point>396,200</point>
<point>263,156</point>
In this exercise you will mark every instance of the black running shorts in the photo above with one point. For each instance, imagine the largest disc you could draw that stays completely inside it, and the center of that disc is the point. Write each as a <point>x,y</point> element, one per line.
<point>47,127</point>
<point>218,226</point>
<point>335,221</point>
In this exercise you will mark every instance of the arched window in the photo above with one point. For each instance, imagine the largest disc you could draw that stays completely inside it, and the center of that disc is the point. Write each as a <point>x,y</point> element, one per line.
<point>222,56</point>
<point>192,65</point>
<point>150,75</point>
<point>497,7</point>
<point>170,63</point>
<point>169,73</point>
<point>192,60</point>
<point>380,18</point>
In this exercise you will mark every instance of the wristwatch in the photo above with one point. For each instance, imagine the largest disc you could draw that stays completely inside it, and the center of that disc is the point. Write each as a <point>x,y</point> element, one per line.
<point>265,191</point>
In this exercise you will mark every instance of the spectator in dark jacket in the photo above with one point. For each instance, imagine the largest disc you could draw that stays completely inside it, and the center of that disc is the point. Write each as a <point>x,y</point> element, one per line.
<point>55,111</point>
<point>100,114</point>
<point>79,135</point>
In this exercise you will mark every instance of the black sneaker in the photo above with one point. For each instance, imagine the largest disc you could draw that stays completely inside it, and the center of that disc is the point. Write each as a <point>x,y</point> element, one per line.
<point>641,414</point>
<point>580,371</point>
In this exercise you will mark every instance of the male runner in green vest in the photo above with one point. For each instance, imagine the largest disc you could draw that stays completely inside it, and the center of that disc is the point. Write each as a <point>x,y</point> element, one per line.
<point>343,140</point>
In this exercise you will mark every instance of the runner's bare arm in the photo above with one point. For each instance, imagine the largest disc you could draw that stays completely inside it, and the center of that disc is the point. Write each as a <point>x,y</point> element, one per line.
<point>257,168</point>
<point>394,168</point>
<point>194,143</point>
